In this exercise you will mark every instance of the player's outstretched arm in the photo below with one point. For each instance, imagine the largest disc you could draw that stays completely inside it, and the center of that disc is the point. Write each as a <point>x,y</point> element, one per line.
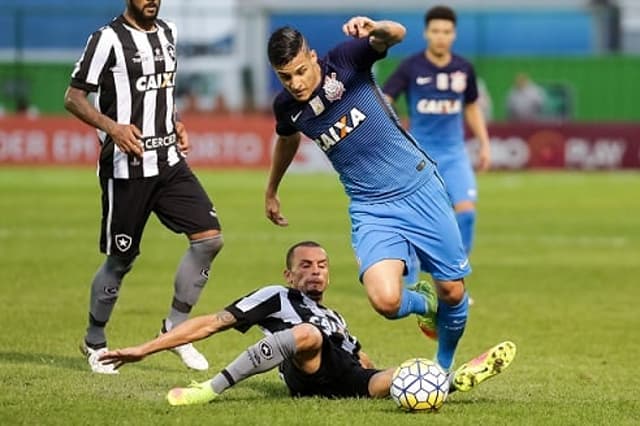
<point>192,330</point>
<point>382,34</point>
<point>286,148</point>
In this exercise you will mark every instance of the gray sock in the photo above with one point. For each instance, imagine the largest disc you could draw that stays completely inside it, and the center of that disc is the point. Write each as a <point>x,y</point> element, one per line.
<point>263,356</point>
<point>104,293</point>
<point>192,276</point>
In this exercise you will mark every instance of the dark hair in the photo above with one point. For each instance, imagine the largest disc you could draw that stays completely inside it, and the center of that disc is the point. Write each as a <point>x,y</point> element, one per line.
<point>295,246</point>
<point>440,12</point>
<point>284,44</point>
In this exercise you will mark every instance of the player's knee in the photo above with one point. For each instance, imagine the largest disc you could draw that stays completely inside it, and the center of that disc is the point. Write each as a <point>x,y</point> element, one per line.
<point>209,245</point>
<point>119,266</point>
<point>384,282</point>
<point>307,337</point>
<point>451,292</point>
<point>386,304</point>
<point>115,268</point>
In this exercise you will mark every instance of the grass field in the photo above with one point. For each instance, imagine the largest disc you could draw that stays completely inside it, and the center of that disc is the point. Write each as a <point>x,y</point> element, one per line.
<point>556,269</point>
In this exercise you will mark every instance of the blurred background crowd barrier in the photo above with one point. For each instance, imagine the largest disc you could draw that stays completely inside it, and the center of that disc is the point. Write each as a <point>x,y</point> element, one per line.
<point>582,55</point>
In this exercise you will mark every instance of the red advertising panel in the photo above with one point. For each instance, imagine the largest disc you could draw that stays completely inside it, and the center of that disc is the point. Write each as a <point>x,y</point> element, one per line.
<point>46,140</point>
<point>585,146</point>
<point>246,142</point>
<point>216,142</point>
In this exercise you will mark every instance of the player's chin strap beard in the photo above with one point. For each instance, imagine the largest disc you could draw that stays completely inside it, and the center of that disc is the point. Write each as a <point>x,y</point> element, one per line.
<point>315,295</point>
<point>135,25</point>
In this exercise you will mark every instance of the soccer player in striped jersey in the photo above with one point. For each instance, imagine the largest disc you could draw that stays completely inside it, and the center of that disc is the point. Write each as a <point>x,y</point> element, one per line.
<point>309,342</point>
<point>131,66</point>
<point>398,207</point>
<point>441,92</point>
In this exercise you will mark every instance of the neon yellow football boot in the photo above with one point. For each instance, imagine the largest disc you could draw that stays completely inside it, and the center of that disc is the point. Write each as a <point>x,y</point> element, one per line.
<point>484,367</point>
<point>195,393</point>
<point>427,322</point>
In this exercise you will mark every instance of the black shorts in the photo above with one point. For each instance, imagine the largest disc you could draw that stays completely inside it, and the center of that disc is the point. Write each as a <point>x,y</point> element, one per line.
<point>175,196</point>
<point>340,375</point>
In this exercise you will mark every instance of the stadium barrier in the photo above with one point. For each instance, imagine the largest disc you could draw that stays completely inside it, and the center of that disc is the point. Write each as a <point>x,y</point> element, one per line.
<point>230,142</point>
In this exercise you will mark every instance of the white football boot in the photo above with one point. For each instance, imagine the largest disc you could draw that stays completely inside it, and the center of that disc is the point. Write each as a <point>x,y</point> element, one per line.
<point>188,353</point>
<point>97,366</point>
<point>191,357</point>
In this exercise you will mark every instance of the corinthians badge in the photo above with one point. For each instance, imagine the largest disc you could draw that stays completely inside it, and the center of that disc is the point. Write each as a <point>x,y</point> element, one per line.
<point>458,81</point>
<point>333,88</point>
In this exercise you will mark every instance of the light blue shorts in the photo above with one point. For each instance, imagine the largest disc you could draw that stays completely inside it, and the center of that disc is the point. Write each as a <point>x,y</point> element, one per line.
<point>420,225</point>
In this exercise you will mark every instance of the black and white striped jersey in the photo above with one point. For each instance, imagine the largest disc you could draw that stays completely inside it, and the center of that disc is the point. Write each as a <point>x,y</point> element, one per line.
<point>134,75</point>
<point>275,308</point>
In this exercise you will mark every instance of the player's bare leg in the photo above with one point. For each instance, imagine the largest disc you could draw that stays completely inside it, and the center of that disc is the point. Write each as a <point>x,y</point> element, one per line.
<point>380,383</point>
<point>389,296</point>
<point>383,284</point>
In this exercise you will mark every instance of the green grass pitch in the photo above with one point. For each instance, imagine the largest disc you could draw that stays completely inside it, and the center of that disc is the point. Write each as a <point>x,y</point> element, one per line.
<point>556,268</point>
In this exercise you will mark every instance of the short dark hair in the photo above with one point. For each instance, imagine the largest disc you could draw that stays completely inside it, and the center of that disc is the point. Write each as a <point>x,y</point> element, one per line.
<point>293,248</point>
<point>440,12</point>
<point>284,44</point>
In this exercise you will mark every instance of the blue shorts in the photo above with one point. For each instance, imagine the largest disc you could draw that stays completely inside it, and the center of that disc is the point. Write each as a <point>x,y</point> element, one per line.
<point>458,177</point>
<point>419,225</point>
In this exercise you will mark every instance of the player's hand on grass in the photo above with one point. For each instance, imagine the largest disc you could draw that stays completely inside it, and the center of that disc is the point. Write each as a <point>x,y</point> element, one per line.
<point>183,138</point>
<point>128,138</point>
<point>272,210</point>
<point>359,27</point>
<point>119,357</point>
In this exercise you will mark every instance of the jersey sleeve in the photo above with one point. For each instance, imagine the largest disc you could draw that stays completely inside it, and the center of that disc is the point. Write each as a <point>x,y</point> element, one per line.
<point>95,61</point>
<point>471,92</point>
<point>174,32</point>
<point>284,126</point>
<point>398,82</point>
<point>255,307</point>
<point>357,54</point>
<point>170,31</point>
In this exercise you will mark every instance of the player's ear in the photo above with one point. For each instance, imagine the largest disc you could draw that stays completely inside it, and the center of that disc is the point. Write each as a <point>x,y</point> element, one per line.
<point>287,276</point>
<point>313,55</point>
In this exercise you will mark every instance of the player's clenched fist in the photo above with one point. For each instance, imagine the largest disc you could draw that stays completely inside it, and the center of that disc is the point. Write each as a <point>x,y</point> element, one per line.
<point>359,26</point>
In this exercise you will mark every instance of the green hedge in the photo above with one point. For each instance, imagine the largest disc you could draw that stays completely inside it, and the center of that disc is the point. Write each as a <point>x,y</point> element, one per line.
<point>604,88</point>
<point>45,84</point>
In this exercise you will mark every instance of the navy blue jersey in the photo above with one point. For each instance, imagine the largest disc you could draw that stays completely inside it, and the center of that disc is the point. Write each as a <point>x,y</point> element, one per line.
<point>436,97</point>
<point>353,125</point>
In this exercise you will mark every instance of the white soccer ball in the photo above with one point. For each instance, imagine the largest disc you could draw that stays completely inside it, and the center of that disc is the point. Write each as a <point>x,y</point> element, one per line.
<point>419,384</point>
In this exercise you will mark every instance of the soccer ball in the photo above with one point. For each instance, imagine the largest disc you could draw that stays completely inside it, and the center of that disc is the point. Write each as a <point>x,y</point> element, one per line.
<point>419,384</point>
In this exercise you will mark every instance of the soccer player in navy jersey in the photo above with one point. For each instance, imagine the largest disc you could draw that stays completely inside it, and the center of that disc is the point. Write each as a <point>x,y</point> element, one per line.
<point>309,342</point>
<point>399,208</point>
<point>441,93</point>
